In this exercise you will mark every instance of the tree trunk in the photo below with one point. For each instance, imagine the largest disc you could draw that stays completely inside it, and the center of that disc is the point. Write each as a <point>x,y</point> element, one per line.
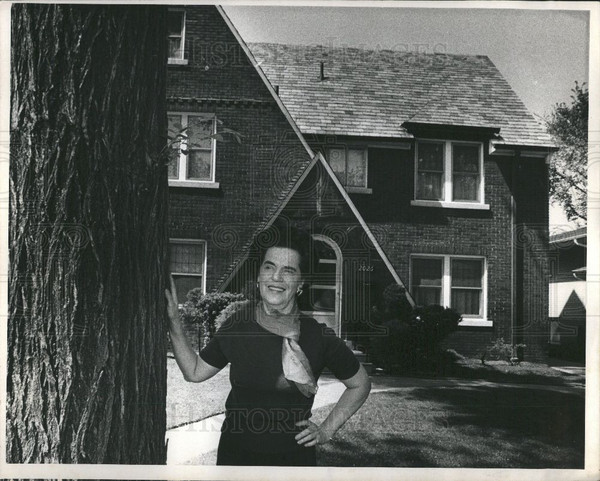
<point>88,235</point>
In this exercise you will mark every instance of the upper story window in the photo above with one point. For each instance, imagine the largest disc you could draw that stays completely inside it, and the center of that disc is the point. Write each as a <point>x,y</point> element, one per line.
<point>454,281</point>
<point>193,164</point>
<point>176,35</point>
<point>350,166</point>
<point>187,265</point>
<point>449,174</point>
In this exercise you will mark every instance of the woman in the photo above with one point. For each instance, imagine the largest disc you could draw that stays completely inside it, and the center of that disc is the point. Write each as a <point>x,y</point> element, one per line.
<point>276,356</point>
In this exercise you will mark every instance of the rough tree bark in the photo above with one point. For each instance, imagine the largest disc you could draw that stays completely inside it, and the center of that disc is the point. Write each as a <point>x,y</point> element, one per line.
<point>88,238</point>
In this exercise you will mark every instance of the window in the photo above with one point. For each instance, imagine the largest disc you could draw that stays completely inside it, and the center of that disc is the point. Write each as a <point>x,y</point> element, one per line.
<point>187,265</point>
<point>321,295</point>
<point>176,35</point>
<point>449,174</point>
<point>193,160</point>
<point>453,281</point>
<point>350,167</point>
<point>426,282</point>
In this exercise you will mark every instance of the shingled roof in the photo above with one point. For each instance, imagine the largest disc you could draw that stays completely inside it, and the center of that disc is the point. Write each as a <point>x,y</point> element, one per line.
<point>373,93</point>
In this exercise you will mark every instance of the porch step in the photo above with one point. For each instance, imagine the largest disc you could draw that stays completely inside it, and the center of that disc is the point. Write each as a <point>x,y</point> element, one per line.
<point>362,358</point>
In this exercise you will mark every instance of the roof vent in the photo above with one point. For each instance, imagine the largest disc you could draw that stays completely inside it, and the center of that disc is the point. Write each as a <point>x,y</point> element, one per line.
<point>322,70</point>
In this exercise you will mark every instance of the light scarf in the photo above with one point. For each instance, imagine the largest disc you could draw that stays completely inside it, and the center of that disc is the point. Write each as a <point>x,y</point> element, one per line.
<point>296,367</point>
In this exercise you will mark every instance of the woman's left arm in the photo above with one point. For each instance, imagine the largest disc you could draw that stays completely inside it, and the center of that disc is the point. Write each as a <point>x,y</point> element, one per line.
<point>356,392</point>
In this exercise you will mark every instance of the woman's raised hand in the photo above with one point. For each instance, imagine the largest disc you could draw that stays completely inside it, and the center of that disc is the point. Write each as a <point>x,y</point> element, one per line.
<point>172,303</point>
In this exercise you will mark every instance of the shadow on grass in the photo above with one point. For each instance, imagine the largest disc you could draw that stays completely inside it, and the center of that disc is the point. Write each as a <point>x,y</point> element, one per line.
<point>479,427</point>
<point>507,374</point>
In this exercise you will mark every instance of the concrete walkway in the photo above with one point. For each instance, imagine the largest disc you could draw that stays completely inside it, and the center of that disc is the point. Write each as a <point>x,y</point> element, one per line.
<point>192,442</point>
<point>196,443</point>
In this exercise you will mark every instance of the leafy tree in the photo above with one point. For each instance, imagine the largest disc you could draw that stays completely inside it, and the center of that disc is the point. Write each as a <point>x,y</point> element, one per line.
<point>568,124</point>
<point>88,235</point>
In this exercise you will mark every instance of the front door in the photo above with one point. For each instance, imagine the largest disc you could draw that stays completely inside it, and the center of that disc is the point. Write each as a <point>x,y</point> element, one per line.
<point>323,299</point>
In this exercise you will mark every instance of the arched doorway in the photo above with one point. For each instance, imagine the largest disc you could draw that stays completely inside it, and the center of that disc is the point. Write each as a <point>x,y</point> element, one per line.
<point>323,301</point>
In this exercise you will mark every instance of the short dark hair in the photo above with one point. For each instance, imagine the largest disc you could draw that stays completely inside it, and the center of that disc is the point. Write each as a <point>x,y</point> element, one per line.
<point>281,234</point>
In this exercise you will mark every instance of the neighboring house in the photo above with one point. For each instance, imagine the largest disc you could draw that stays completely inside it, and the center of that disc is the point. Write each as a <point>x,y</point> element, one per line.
<point>568,294</point>
<point>425,171</point>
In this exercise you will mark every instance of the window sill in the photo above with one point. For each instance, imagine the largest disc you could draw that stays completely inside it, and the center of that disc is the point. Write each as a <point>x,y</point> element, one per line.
<point>450,205</point>
<point>195,184</point>
<point>359,190</point>
<point>475,323</point>
<point>177,61</point>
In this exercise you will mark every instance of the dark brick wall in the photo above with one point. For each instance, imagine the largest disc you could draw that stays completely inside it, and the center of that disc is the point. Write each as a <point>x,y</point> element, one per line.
<point>252,174</point>
<point>403,230</point>
<point>532,256</point>
<point>217,66</point>
<point>407,230</point>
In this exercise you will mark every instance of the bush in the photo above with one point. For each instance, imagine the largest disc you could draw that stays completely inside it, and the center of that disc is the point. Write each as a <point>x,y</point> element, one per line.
<point>501,351</point>
<point>412,342</point>
<point>203,310</point>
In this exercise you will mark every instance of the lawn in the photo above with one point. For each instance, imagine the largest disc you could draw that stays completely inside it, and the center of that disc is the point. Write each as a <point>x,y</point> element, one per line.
<point>475,421</point>
<point>502,371</point>
<point>478,427</point>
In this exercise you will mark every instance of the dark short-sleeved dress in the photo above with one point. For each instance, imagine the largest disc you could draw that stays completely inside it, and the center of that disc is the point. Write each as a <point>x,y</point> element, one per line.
<point>263,407</point>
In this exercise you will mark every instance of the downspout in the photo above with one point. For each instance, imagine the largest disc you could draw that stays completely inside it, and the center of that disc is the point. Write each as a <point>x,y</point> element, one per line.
<point>513,267</point>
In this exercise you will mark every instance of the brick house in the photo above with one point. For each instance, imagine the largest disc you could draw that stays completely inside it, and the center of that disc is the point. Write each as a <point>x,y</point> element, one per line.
<point>424,171</point>
<point>567,306</point>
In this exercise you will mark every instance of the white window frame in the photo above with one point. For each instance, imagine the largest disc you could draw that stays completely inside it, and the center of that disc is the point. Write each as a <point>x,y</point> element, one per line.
<point>179,60</point>
<point>446,294</point>
<point>182,180</point>
<point>354,189</point>
<point>338,288</point>
<point>191,274</point>
<point>325,286</point>
<point>447,185</point>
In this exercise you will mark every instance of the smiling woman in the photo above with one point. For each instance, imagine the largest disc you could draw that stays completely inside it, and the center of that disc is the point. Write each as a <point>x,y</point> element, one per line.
<point>280,279</point>
<point>276,355</point>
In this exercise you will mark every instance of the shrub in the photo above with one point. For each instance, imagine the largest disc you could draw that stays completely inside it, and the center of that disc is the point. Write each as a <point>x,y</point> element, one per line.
<point>501,351</point>
<point>228,311</point>
<point>203,310</point>
<point>433,324</point>
<point>413,338</point>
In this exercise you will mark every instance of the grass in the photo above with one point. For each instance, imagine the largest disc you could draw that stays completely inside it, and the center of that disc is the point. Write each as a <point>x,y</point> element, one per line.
<point>502,371</point>
<point>425,422</point>
<point>477,427</point>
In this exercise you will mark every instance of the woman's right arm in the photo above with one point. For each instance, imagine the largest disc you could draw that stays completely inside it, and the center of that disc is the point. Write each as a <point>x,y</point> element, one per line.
<point>192,366</point>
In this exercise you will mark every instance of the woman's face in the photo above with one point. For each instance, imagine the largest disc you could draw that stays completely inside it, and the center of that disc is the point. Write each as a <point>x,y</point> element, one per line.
<point>279,278</point>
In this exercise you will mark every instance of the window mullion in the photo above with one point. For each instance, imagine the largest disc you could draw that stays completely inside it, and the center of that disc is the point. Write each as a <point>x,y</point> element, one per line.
<point>366,157</point>
<point>183,35</point>
<point>481,175</point>
<point>483,301</point>
<point>448,171</point>
<point>446,283</point>
<point>184,156</point>
<point>213,150</point>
